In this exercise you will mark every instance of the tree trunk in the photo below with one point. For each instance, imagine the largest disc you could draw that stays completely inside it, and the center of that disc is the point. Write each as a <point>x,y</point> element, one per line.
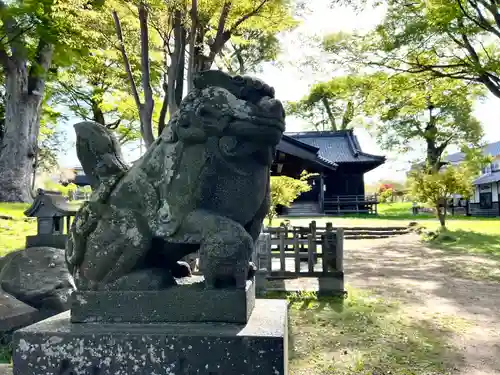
<point>97,113</point>
<point>434,152</point>
<point>445,212</point>
<point>433,155</point>
<point>146,110</point>
<point>22,123</point>
<point>192,41</point>
<point>163,111</point>
<point>348,115</point>
<point>331,117</point>
<point>441,216</point>
<point>179,83</point>
<point>175,62</point>
<point>164,105</point>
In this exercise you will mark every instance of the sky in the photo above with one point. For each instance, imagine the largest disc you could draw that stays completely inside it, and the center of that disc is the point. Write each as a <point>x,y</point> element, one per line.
<point>291,80</point>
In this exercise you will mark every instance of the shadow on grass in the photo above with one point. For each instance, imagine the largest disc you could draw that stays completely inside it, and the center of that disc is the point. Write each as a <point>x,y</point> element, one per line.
<point>365,335</point>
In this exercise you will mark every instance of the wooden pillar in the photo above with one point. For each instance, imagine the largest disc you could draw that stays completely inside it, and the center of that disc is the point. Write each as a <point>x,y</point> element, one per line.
<point>322,192</point>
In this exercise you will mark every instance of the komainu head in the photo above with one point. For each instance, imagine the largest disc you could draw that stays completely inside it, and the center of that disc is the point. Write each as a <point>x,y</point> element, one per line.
<point>225,106</point>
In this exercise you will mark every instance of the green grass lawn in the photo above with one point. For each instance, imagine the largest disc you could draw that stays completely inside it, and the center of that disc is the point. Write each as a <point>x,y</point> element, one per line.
<point>364,335</point>
<point>13,232</point>
<point>15,210</point>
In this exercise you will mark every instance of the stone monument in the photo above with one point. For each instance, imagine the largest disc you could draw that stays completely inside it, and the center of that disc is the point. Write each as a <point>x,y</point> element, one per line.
<point>203,185</point>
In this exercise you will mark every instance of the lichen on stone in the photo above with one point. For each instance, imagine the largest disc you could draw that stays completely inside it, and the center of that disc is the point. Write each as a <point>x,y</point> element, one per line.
<point>201,182</point>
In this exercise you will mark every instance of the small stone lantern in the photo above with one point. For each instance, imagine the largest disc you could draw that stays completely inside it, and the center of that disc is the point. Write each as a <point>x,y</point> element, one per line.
<point>53,213</point>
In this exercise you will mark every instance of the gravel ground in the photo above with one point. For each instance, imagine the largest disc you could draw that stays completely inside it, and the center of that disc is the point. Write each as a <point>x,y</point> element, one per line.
<point>431,282</point>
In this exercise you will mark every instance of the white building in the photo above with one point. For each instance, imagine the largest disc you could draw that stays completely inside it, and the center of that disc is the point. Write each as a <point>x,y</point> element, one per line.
<point>486,197</point>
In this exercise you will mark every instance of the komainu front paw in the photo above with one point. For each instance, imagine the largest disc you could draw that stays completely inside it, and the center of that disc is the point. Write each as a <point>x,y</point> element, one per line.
<point>224,274</point>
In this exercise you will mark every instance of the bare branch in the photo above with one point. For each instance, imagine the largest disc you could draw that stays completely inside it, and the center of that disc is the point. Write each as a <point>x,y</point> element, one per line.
<point>331,117</point>
<point>247,16</point>
<point>481,22</point>
<point>219,41</point>
<point>146,75</point>
<point>114,125</point>
<point>175,62</point>
<point>192,40</point>
<point>492,7</point>
<point>126,61</point>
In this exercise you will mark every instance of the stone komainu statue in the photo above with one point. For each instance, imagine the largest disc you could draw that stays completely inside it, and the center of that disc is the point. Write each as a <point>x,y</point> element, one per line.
<point>203,185</point>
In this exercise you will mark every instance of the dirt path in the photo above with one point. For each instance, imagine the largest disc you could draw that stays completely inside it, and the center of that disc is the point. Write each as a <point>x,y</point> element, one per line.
<point>434,283</point>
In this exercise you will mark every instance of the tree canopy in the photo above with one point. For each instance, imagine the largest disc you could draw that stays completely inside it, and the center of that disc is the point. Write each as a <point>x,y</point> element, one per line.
<point>456,39</point>
<point>333,105</point>
<point>436,187</point>
<point>409,111</point>
<point>194,35</point>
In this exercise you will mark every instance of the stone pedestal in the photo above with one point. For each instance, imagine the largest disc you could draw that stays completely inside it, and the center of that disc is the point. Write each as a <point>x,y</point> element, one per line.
<point>190,302</point>
<point>57,346</point>
<point>15,314</point>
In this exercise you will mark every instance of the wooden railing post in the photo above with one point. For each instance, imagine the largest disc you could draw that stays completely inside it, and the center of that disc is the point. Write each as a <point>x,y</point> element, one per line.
<point>296,252</point>
<point>311,248</point>
<point>312,227</point>
<point>328,249</point>
<point>339,253</point>
<point>282,252</point>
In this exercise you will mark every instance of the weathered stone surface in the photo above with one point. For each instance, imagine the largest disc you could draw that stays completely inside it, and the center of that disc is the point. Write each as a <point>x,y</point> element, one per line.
<point>38,277</point>
<point>14,313</point>
<point>55,346</point>
<point>202,186</point>
<point>198,304</point>
<point>262,259</point>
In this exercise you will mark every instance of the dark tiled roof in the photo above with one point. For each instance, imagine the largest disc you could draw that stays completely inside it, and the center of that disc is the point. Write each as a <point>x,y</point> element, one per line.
<point>337,147</point>
<point>303,150</point>
<point>53,202</point>
<point>487,178</point>
<point>492,149</point>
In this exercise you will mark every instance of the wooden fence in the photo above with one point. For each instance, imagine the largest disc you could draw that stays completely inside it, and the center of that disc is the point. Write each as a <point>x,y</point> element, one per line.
<point>284,253</point>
